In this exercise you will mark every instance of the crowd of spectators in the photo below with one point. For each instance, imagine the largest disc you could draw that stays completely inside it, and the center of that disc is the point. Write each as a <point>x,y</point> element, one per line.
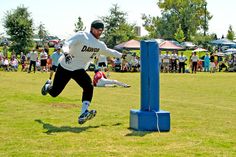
<point>169,62</point>
<point>128,63</point>
<point>35,60</point>
<point>173,62</point>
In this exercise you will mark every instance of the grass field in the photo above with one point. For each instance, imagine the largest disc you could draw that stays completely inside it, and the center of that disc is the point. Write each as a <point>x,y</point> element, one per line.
<point>202,107</point>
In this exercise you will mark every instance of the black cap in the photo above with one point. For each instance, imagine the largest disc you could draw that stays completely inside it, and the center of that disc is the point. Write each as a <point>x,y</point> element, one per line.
<point>97,24</point>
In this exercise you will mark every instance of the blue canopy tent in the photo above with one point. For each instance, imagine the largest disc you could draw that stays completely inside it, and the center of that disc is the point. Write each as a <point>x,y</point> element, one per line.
<point>222,42</point>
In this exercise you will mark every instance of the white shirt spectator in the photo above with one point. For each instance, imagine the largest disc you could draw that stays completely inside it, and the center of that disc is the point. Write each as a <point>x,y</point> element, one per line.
<point>134,61</point>
<point>14,62</point>
<point>43,55</point>
<point>33,55</point>
<point>102,59</point>
<point>174,56</point>
<point>182,58</point>
<point>194,58</point>
<point>6,62</point>
<point>166,58</point>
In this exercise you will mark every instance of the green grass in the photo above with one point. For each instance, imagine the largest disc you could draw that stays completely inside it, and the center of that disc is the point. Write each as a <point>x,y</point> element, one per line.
<point>202,107</point>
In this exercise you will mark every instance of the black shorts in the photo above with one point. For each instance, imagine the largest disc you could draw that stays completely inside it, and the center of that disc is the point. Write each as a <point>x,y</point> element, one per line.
<point>43,62</point>
<point>102,64</point>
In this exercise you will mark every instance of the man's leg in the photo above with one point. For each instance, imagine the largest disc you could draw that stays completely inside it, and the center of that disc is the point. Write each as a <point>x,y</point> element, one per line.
<point>110,82</point>
<point>61,78</point>
<point>34,66</point>
<point>183,64</point>
<point>29,70</point>
<point>84,81</point>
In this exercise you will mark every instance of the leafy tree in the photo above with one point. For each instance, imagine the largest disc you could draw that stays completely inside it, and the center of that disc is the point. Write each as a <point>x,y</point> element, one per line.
<point>42,33</point>
<point>117,29</point>
<point>179,35</point>
<point>152,25</point>
<point>203,41</point>
<point>191,14</point>
<point>19,26</point>
<point>79,26</point>
<point>231,33</point>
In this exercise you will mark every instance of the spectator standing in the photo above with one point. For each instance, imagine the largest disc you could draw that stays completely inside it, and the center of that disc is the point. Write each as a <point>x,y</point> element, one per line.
<point>102,61</point>
<point>160,61</point>
<point>23,61</point>
<point>182,59</point>
<point>166,62</point>
<point>49,63</point>
<point>55,61</point>
<point>173,59</point>
<point>33,58</point>
<point>207,62</point>
<point>212,63</point>
<point>194,60</point>
<point>43,60</point>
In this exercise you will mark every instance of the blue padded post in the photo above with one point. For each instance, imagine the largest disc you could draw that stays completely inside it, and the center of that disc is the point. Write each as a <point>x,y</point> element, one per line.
<point>144,79</point>
<point>150,117</point>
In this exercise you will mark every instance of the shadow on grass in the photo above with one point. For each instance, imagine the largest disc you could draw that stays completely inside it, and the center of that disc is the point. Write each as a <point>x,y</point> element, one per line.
<point>55,129</point>
<point>138,133</point>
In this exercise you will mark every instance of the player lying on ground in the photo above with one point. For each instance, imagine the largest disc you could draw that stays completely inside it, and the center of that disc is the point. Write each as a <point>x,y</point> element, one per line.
<point>100,80</point>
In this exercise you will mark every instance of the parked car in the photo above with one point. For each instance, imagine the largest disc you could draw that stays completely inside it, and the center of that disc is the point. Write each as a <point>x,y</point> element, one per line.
<point>189,45</point>
<point>53,40</point>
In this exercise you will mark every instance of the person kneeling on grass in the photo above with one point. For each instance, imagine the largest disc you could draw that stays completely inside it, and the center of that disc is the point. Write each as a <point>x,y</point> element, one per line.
<point>100,80</point>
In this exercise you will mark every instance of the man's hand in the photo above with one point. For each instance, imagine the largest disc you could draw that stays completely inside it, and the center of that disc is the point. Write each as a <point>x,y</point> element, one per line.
<point>68,58</point>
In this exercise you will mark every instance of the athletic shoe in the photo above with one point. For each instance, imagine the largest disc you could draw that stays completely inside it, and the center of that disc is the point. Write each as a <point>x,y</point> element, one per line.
<point>87,115</point>
<point>44,90</point>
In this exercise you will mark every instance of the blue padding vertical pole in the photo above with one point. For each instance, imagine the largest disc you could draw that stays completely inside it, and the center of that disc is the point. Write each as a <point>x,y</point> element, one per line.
<point>144,79</point>
<point>150,117</point>
<point>149,76</point>
<point>153,70</point>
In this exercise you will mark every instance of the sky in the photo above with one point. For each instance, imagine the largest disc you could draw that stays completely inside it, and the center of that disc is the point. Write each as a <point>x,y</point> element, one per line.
<point>59,16</point>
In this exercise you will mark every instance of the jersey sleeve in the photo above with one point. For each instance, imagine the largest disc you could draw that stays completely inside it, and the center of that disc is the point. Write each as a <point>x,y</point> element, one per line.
<point>110,52</point>
<point>103,74</point>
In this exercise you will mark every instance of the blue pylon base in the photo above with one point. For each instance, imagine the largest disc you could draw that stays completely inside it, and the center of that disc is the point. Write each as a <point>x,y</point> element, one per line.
<point>150,121</point>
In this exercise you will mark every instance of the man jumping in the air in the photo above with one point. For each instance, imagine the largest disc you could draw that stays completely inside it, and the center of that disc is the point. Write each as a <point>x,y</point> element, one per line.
<point>79,50</point>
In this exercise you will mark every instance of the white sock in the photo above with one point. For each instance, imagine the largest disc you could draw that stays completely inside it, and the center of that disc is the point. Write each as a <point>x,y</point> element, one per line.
<point>46,86</point>
<point>85,106</point>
